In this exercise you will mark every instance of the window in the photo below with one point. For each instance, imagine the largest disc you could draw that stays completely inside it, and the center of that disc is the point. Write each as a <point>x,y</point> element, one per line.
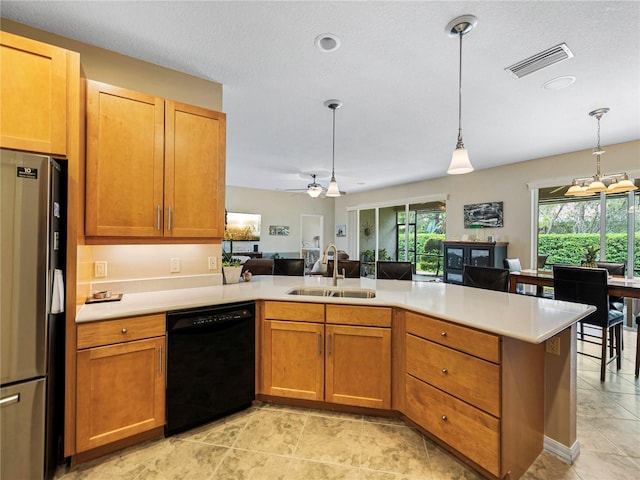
<point>409,232</point>
<point>567,225</point>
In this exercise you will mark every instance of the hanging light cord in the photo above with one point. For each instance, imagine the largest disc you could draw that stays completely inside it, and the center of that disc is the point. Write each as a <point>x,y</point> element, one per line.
<point>598,151</point>
<point>333,149</point>
<point>460,144</point>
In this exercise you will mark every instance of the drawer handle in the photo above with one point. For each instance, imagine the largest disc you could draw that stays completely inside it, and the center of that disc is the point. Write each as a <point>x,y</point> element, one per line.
<point>10,400</point>
<point>445,371</point>
<point>124,330</point>
<point>444,418</point>
<point>443,334</point>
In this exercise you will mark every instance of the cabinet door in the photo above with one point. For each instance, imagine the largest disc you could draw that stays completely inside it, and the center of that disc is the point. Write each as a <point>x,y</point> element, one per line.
<point>194,171</point>
<point>358,366</point>
<point>124,178</point>
<point>33,89</point>
<point>120,391</point>
<point>293,359</point>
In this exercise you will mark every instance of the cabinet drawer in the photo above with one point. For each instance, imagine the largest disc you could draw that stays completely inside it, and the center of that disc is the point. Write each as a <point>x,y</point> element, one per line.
<point>301,312</point>
<point>365,316</point>
<point>469,430</point>
<point>120,330</point>
<point>466,377</point>
<point>474,342</point>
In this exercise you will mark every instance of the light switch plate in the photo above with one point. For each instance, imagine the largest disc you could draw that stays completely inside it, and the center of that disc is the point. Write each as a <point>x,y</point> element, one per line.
<point>174,265</point>
<point>213,263</point>
<point>100,269</point>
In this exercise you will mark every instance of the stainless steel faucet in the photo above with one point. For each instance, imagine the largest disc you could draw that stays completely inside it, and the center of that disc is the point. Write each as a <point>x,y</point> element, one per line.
<point>335,275</point>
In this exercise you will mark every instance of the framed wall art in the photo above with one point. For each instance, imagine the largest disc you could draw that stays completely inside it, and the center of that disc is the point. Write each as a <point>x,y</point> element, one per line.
<point>483,215</point>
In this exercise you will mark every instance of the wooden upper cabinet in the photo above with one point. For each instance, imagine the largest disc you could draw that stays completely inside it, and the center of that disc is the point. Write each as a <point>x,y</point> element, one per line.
<point>124,182</point>
<point>194,171</point>
<point>33,95</point>
<point>155,168</point>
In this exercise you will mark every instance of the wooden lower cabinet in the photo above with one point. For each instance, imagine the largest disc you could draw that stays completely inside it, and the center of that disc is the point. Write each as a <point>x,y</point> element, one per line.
<point>120,386</point>
<point>293,359</point>
<point>358,366</point>
<point>481,394</point>
<point>347,363</point>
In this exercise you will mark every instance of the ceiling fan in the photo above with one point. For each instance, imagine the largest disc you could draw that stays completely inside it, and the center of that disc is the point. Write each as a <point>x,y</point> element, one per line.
<point>314,189</point>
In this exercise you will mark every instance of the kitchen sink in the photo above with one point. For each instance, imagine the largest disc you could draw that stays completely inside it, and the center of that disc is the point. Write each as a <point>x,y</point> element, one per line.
<point>333,292</point>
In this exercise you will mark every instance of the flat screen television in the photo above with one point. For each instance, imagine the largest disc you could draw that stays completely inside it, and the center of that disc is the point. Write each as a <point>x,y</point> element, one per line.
<point>242,226</point>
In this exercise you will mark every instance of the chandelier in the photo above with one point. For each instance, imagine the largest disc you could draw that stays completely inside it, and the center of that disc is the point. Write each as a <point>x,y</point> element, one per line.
<point>607,183</point>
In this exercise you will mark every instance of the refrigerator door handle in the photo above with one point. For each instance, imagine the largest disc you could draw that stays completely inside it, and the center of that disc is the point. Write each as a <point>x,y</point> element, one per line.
<point>10,400</point>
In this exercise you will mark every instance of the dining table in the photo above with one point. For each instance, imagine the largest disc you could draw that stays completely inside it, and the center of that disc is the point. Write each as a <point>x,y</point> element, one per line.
<point>617,286</point>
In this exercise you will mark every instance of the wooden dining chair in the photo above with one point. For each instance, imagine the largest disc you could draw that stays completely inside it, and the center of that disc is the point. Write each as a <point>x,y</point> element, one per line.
<point>394,270</point>
<point>488,278</point>
<point>589,286</point>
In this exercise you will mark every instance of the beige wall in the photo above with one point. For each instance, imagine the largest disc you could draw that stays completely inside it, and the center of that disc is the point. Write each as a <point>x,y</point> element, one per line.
<point>508,184</point>
<point>281,208</point>
<point>127,72</point>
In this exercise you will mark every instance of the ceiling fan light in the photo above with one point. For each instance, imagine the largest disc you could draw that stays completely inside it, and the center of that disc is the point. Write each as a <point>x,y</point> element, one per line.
<point>460,162</point>
<point>314,191</point>
<point>333,190</point>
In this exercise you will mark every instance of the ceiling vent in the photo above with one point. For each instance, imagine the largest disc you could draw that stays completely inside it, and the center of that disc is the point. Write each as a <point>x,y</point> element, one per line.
<point>540,60</point>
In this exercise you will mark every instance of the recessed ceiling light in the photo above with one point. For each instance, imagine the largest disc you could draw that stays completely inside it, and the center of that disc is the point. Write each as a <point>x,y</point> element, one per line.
<point>559,83</point>
<point>327,42</point>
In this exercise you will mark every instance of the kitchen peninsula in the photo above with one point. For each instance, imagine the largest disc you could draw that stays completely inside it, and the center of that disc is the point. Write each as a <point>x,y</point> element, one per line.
<point>488,405</point>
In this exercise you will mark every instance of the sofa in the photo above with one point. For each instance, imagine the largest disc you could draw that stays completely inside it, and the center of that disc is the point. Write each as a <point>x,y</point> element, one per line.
<point>258,266</point>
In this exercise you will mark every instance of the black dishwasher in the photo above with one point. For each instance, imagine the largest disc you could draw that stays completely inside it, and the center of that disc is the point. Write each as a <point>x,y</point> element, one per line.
<point>210,364</point>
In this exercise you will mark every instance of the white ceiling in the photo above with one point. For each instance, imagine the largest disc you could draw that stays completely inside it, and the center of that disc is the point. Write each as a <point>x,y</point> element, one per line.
<point>396,72</point>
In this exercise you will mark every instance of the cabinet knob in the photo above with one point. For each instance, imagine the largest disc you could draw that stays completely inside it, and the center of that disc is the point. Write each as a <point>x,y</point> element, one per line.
<point>444,418</point>
<point>443,334</point>
<point>124,330</point>
<point>444,370</point>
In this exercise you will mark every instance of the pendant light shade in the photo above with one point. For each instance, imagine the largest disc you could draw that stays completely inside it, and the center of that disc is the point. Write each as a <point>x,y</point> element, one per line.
<point>618,182</point>
<point>332,189</point>
<point>460,163</point>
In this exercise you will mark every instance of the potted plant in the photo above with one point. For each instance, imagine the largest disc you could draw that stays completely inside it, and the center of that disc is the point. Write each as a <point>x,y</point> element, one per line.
<point>591,252</point>
<point>231,268</point>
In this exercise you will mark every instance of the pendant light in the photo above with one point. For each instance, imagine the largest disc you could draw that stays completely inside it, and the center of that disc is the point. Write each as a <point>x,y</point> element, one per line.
<point>460,163</point>
<point>332,189</point>
<point>587,186</point>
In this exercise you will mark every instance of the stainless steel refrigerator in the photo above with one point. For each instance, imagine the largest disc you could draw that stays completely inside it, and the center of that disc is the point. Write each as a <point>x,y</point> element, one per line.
<point>32,260</point>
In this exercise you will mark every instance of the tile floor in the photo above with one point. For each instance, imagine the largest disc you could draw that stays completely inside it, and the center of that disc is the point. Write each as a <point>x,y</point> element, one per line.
<point>270,442</point>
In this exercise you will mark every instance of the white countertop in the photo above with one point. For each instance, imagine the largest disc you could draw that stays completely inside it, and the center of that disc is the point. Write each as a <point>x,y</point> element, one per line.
<point>523,317</point>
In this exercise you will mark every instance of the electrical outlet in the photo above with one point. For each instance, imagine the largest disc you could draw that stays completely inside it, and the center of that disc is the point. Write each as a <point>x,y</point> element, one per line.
<point>100,269</point>
<point>553,346</point>
<point>174,265</point>
<point>213,263</point>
